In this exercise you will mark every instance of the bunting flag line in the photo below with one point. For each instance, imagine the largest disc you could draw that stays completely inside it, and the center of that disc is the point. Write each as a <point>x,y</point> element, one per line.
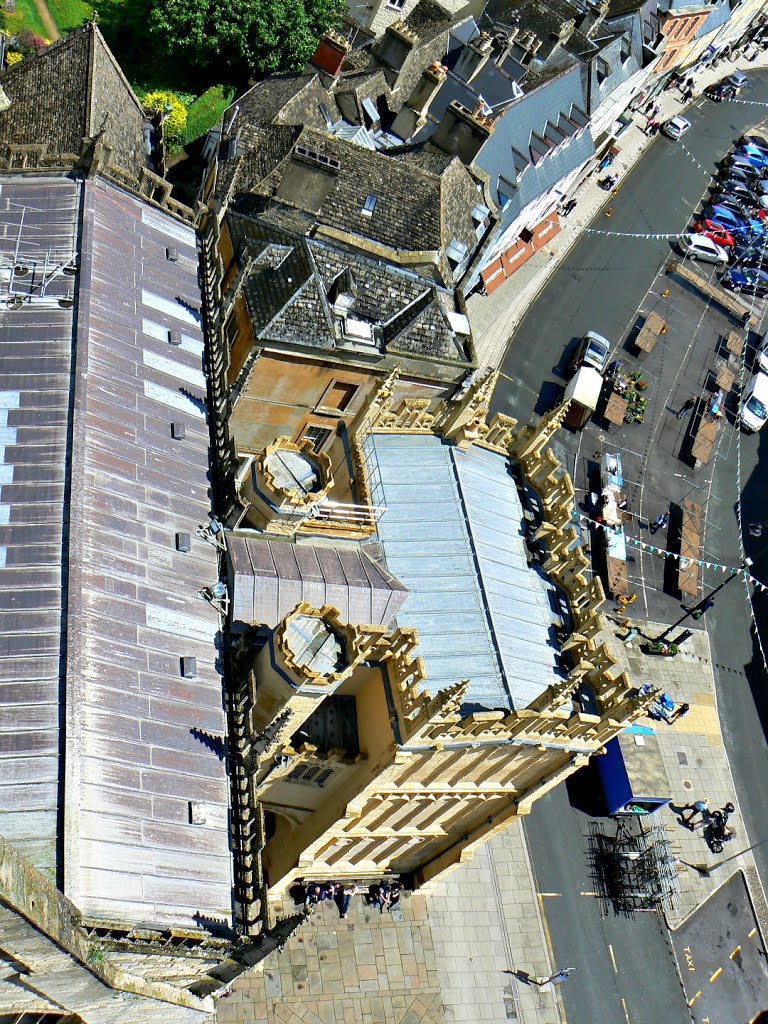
<point>652,549</point>
<point>694,161</point>
<point>635,234</point>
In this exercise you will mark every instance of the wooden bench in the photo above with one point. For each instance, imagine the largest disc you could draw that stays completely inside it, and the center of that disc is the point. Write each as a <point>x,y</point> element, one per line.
<point>616,576</point>
<point>703,440</point>
<point>615,410</point>
<point>725,377</point>
<point>690,547</point>
<point>734,304</point>
<point>734,343</point>
<point>649,334</point>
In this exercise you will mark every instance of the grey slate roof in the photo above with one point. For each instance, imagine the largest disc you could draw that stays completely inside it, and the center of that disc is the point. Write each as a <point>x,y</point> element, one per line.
<point>71,91</point>
<point>141,741</point>
<point>268,578</point>
<point>35,363</point>
<point>416,209</point>
<point>293,302</point>
<point>452,534</point>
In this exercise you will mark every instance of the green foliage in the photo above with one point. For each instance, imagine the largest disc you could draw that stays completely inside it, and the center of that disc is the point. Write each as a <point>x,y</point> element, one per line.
<point>68,14</point>
<point>260,35</point>
<point>95,956</point>
<point>25,16</point>
<point>206,111</point>
<point>161,101</point>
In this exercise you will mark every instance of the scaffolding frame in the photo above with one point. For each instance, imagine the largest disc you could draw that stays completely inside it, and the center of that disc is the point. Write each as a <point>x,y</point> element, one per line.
<point>634,869</point>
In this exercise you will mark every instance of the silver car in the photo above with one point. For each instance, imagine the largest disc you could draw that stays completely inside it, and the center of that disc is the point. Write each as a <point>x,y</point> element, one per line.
<point>699,247</point>
<point>676,128</point>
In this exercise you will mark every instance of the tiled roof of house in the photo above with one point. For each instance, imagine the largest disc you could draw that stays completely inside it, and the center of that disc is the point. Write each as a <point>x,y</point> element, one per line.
<point>71,91</point>
<point>415,209</point>
<point>293,301</point>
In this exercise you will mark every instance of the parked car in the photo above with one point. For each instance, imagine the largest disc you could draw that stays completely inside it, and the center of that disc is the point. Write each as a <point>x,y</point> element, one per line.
<point>676,128</point>
<point>699,247</point>
<point>730,220</point>
<point>754,403</point>
<point>752,282</point>
<point>737,189</point>
<point>722,91</point>
<point>754,140</point>
<point>754,152</point>
<point>593,350</point>
<point>730,202</point>
<point>752,256</point>
<point>738,78</point>
<point>756,157</point>
<point>716,232</point>
<point>731,173</point>
<point>743,163</point>
<point>761,355</point>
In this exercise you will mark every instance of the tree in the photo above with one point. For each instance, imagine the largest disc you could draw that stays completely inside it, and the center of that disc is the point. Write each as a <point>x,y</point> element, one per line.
<point>262,35</point>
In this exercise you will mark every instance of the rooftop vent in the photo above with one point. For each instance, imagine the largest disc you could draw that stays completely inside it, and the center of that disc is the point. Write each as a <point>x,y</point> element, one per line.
<point>183,542</point>
<point>174,336</point>
<point>178,431</point>
<point>172,254</point>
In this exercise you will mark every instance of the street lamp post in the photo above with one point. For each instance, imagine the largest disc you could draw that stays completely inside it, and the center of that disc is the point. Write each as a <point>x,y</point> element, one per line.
<point>706,603</point>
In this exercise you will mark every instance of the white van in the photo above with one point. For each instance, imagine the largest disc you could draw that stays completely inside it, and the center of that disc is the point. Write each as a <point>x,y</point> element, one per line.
<point>754,403</point>
<point>761,356</point>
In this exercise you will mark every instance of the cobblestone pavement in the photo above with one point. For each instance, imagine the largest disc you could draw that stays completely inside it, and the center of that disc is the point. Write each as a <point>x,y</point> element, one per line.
<point>495,318</point>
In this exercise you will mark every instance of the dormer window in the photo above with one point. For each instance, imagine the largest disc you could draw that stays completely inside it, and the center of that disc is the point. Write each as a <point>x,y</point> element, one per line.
<point>456,253</point>
<point>603,70</point>
<point>369,206</point>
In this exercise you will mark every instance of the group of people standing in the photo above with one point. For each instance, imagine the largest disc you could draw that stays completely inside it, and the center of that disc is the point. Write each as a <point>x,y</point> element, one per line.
<point>383,895</point>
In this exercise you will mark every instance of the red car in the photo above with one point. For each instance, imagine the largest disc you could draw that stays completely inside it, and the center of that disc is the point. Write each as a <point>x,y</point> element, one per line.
<point>716,232</point>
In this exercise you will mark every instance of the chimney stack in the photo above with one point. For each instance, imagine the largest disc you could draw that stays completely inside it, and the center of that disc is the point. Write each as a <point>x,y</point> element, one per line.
<point>463,132</point>
<point>412,116</point>
<point>395,45</point>
<point>473,57</point>
<point>330,53</point>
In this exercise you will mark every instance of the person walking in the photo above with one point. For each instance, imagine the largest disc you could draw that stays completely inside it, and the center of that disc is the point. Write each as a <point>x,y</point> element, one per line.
<point>650,125</point>
<point>699,807</point>
<point>659,522</point>
<point>686,408</point>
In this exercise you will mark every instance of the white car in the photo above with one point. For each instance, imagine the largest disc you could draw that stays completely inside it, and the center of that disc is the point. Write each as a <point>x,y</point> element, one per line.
<point>699,247</point>
<point>738,79</point>
<point>754,403</point>
<point>676,128</point>
<point>593,350</point>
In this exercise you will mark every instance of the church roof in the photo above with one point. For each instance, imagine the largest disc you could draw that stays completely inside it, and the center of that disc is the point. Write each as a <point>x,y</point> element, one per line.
<point>453,533</point>
<point>268,578</point>
<point>71,91</point>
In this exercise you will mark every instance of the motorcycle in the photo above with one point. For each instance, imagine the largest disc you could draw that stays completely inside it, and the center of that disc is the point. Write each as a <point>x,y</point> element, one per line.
<point>719,831</point>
